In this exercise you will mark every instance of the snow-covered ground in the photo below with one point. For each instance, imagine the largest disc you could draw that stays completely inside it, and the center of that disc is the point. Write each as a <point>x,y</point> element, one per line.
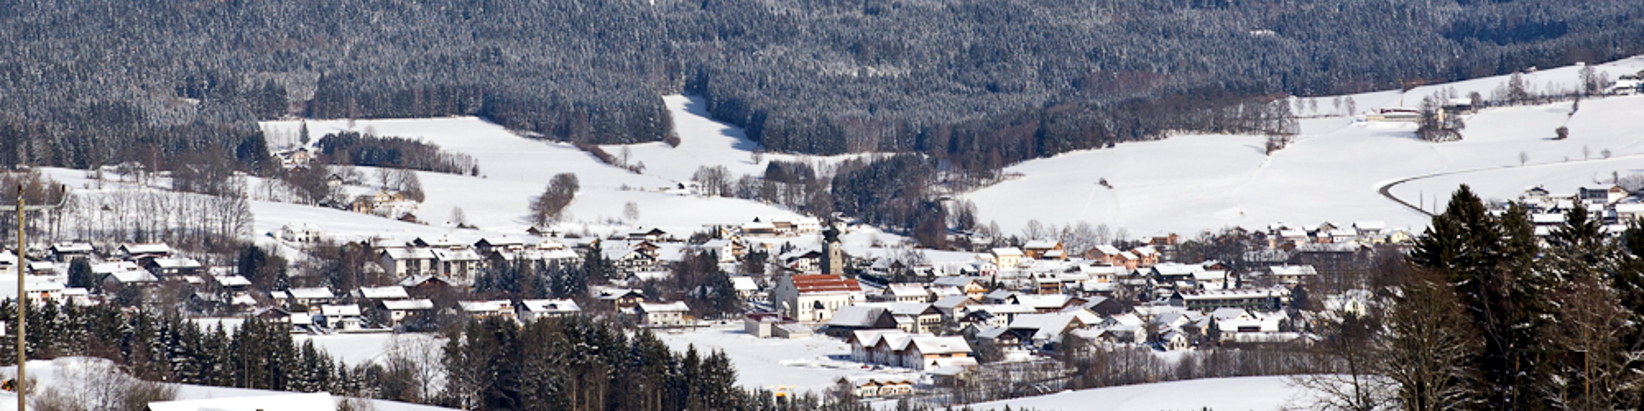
<point>1333,171</point>
<point>798,365</point>
<point>514,169</point>
<point>1231,394</point>
<point>49,374</point>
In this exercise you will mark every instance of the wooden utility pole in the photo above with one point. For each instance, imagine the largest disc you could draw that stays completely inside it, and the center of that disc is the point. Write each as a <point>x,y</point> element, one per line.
<point>22,301</point>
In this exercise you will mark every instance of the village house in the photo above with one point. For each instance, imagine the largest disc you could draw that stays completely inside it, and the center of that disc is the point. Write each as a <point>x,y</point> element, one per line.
<point>403,310</point>
<point>1044,250</point>
<point>391,292</point>
<point>66,252</point>
<point>490,245</point>
<point>878,388</point>
<point>143,251</point>
<point>971,287</point>
<point>1006,258</point>
<point>531,310</point>
<point>488,309</point>
<point>661,314</point>
<point>1254,299</point>
<point>745,286</point>
<point>341,317</point>
<point>308,299</point>
<point>404,262</point>
<point>905,293</point>
<point>899,348</point>
<point>814,298</point>
<point>173,266</point>
<point>459,265</point>
<point>1293,274</point>
<point>620,298</point>
<point>729,251</point>
<point>299,233</point>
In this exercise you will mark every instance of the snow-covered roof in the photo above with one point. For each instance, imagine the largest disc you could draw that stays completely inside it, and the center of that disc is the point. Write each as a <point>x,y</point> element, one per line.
<point>402,305</point>
<point>349,310</point>
<point>311,293</point>
<point>485,306</point>
<point>550,306</point>
<point>232,280</point>
<point>856,316</point>
<point>1293,270</point>
<point>744,283</point>
<point>950,302</point>
<point>1007,252</point>
<point>1041,244</point>
<point>146,248</point>
<point>954,281</point>
<point>676,306</point>
<point>136,276</point>
<point>176,263</point>
<point>71,248</point>
<point>941,345</point>
<point>1107,249</point>
<point>461,254</point>
<point>409,253</point>
<point>907,290</point>
<point>392,292</point>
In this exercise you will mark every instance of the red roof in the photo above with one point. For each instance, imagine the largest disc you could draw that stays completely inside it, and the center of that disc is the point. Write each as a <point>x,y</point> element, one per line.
<point>821,283</point>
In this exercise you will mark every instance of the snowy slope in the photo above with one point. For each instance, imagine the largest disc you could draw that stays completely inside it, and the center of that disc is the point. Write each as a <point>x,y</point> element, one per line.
<point>1221,394</point>
<point>514,169</point>
<point>47,374</point>
<point>1187,184</point>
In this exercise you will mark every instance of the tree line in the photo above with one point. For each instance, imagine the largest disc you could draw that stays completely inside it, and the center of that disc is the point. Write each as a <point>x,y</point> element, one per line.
<point>974,82</point>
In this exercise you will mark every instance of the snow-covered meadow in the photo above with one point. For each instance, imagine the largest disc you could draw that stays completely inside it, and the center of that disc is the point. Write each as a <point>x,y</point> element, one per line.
<point>72,372</point>
<point>798,365</point>
<point>1334,169</point>
<point>1233,394</point>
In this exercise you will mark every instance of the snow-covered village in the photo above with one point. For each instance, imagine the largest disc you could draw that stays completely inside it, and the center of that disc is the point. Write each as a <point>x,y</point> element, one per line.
<point>626,220</point>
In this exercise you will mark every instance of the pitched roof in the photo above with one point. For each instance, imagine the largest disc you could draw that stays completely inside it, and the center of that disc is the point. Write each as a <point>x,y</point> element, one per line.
<point>311,293</point>
<point>400,305</point>
<point>941,345</point>
<point>676,306</point>
<point>824,283</point>
<point>484,306</point>
<point>550,306</point>
<point>349,310</point>
<point>392,292</point>
<point>857,316</point>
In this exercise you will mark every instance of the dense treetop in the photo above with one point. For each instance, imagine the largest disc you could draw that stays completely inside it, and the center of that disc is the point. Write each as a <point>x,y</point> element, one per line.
<point>87,82</point>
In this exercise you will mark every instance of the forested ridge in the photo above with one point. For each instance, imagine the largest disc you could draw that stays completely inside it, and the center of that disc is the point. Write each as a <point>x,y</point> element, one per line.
<point>980,83</point>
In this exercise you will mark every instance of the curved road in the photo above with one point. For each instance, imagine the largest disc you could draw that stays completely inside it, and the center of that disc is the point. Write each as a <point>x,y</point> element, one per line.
<point>1386,189</point>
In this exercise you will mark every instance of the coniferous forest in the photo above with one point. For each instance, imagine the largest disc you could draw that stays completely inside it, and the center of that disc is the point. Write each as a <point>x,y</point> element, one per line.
<point>978,84</point>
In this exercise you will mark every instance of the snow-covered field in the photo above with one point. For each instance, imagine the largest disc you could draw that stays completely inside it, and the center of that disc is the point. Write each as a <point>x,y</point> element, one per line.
<point>1187,184</point>
<point>48,374</point>
<point>1221,394</point>
<point>514,169</point>
<point>797,365</point>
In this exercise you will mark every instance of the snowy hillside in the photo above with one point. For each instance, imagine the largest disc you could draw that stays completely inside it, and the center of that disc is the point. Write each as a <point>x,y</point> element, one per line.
<point>54,373</point>
<point>1333,171</point>
<point>1221,394</point>
<point>515,169</point>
